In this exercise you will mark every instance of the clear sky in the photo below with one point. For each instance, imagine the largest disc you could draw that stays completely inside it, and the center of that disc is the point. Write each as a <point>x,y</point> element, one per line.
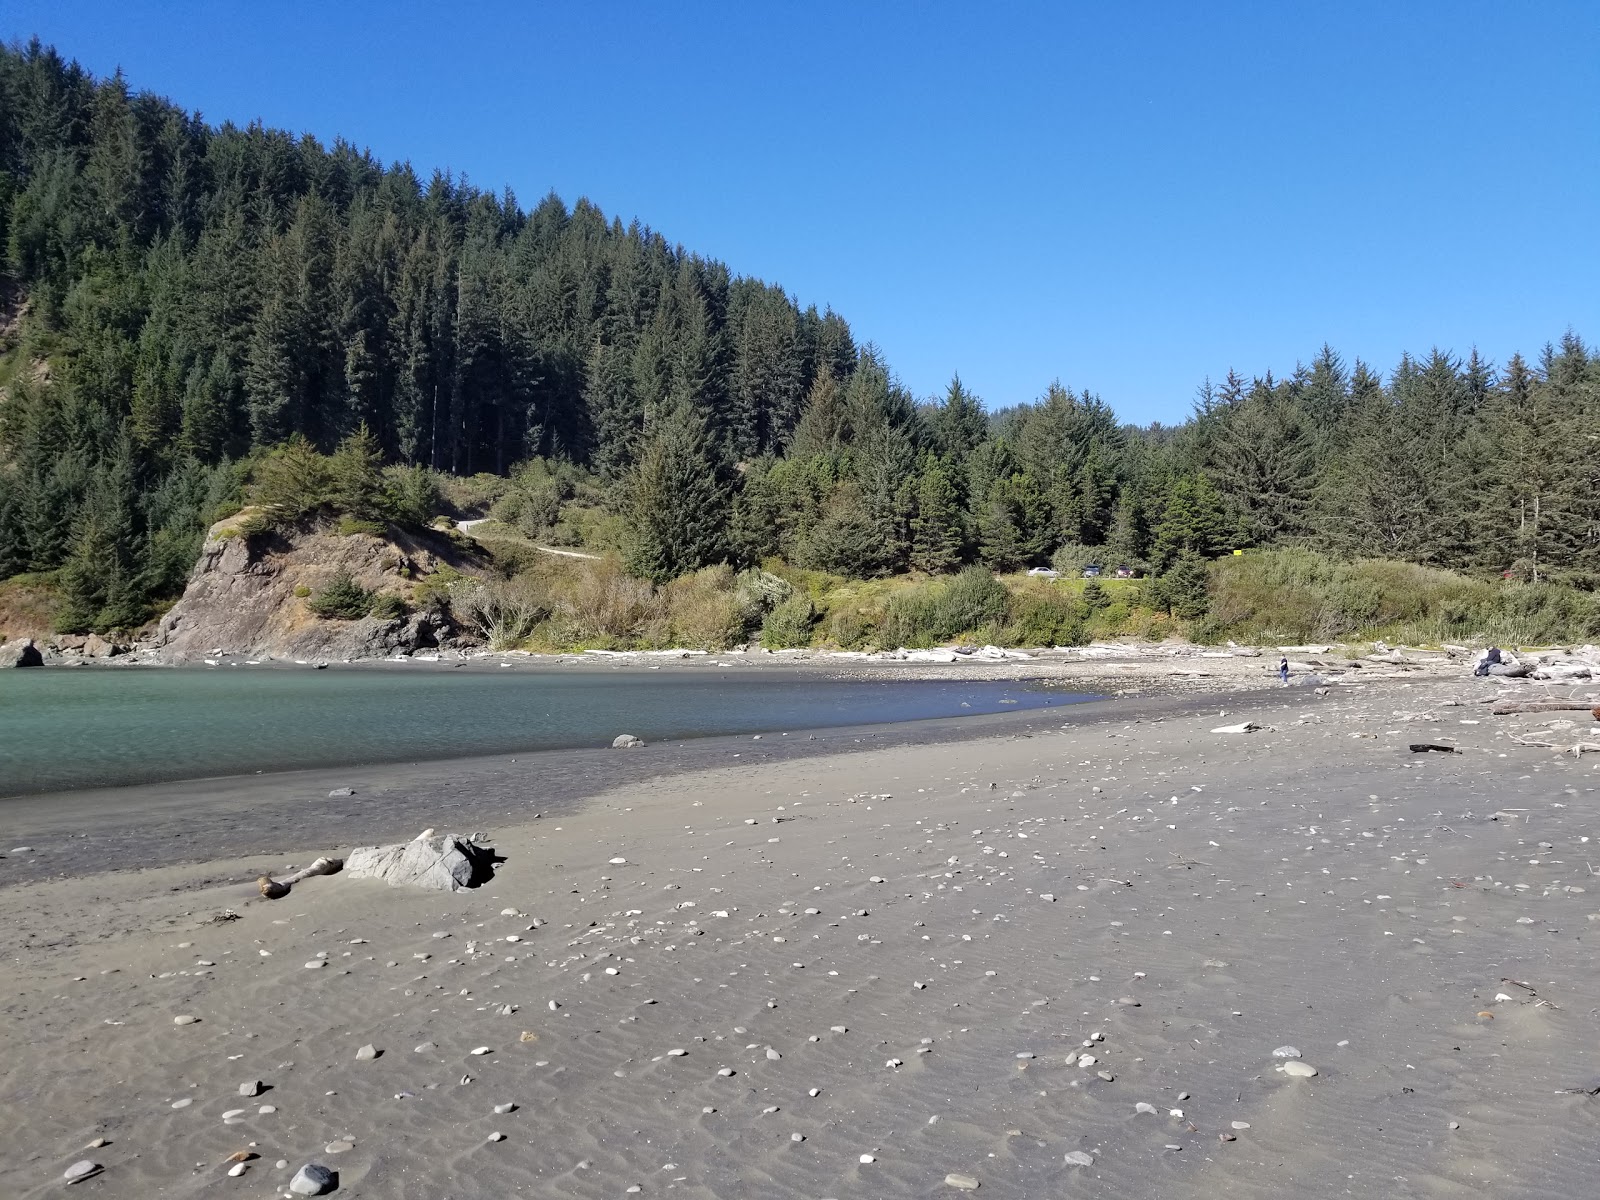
<point>1127,196</point>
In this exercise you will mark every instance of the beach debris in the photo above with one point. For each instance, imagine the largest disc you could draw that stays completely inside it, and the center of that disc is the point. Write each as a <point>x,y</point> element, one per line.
<point>1506,708</point>
<point>313,1179</point>
<point>626,741</point>
<point>1432,748</point>
<point>1286,1052</point>
<point>1079,1158</point>
<point>1241,727</point>
<point>82,1169</point>
<point>253,1087</point>
<point>276,889</point>
<point>440,862</point>
<point>341,793</point>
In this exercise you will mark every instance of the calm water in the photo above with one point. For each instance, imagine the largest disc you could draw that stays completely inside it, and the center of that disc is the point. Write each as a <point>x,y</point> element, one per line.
<point>64,729</point>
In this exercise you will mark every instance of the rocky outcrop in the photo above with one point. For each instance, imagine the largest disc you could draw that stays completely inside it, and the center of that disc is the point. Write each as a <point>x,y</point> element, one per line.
<point>20,652</point>
<point>248,595</point>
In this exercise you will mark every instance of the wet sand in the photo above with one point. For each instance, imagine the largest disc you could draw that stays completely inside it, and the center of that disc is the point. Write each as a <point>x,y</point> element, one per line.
<point>887,963</point>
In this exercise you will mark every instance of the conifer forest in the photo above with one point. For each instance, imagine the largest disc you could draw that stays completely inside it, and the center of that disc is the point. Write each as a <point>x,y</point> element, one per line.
<point>188,311</point>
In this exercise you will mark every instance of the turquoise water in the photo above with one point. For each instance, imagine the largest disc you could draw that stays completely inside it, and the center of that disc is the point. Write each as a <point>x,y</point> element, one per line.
<point>62,729</point>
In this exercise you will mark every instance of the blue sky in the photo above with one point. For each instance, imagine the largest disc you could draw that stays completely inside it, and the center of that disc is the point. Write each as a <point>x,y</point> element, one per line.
<point>1129,197</point>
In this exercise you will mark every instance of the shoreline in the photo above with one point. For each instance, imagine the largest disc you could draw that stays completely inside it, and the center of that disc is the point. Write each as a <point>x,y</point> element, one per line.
<point>91,830</point>
<point>929,936</point>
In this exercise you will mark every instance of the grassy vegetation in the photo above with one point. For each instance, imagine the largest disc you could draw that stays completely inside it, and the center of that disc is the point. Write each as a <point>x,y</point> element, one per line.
<point>1281,596</point>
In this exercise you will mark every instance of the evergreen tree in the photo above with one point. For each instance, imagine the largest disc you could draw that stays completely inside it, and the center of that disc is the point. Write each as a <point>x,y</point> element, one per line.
<point>937,532</point>
<point>678,501</point>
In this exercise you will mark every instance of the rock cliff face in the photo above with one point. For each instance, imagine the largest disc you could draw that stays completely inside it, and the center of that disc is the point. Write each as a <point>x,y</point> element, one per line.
<point>241,598</point>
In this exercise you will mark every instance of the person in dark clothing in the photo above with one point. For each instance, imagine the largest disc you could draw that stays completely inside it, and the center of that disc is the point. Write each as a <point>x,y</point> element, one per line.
<point>1283,670</point>
<point>1490,659</point>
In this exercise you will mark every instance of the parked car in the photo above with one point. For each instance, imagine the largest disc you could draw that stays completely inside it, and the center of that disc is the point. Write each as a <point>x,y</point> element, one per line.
<point>1092,571</point>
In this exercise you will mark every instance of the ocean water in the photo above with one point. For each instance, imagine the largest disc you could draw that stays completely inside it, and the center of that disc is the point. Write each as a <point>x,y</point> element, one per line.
<point>74,728</point>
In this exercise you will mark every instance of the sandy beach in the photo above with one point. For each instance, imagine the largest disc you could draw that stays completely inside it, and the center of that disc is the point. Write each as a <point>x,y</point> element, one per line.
<point>1045,954</point>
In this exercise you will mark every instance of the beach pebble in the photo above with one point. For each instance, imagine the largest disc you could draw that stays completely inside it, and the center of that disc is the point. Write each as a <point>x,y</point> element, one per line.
<point>424,1048</point>
<point>232,1115</point>
<point>1078,1158</point>
<point>1142,1107</point>
<point>965,1183</point>
<point>238,1169</point>
<point>676,1053</point>
<point>367,1053</point>
<point>1286,1052</point>
<point>619,862</point>
<point>797,1137</point>
<point>186,1019</point>
<point>1299,1070</point>
<point>97,1143</point>
<point>312,1180</point>
<point>184,1103</point>
<point>81,1169</point>
<point>266,1110</point>
<point>496,1137</point>
<point>1106,1075</point>
<point>868,1158</point>
<point>773,1055</point>
<point>481,1050</point>
<point>502,1109</point>
<point>338,1147</point>
<point>339,793</point>
<point>1241,1124</point>
<point>725,1071</point>
<point>252,1088</point>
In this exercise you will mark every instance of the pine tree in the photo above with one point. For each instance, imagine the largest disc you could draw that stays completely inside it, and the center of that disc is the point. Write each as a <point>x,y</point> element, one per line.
<point>937,530</point>
<point>678,501</point>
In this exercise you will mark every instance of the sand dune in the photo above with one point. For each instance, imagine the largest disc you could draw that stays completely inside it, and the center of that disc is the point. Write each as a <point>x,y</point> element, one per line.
<point>858,975</point>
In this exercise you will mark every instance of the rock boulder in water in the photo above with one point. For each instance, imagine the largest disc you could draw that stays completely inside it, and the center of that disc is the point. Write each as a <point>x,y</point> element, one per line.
<point>441,862</point>
<point>20,652</point>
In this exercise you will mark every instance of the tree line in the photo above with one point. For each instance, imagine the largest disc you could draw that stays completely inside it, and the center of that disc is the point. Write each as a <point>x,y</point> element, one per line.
<point>181,298</point>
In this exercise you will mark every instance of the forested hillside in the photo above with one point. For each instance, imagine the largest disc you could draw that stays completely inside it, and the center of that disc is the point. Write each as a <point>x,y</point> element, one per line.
<point>179,299</point>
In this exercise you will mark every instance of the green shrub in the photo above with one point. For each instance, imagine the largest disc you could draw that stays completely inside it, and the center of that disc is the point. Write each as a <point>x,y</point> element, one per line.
<point>349,526</point>
<point>852,629</point>
<point>302,591</point>
<point>1094,595</point>
<point>789,625</point>
<point>342,600</point>
<point>940,610</point>
<point>710,609</point>
<point>1046,621</point>
<point>388,606</point>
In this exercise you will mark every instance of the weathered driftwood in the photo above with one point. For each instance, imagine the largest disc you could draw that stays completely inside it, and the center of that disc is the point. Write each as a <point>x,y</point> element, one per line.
<point>1504,708</point>
<point>276,889</point>
<point>1577,749</point>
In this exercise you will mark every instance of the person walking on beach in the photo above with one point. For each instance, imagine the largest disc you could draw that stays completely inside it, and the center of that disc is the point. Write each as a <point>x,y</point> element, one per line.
<point>1283,670</point>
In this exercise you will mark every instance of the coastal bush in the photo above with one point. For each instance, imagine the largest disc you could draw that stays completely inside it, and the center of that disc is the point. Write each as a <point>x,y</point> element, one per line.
<point>302,591</point>
<point>504,612</point>
<point>348,526</point>
<point>1046,621</point>
<point>940,610</point>
<point>1295,595</point>
<point>388,606</point>
<point>853,628</point>
<point>789,625</point>
<point>343,599</point>
<point>606,605</point>
<point>710,609</point>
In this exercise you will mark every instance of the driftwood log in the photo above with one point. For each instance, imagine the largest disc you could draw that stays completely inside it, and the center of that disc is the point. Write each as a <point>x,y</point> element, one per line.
<point>276,889</point>
<point>1504,708</point>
